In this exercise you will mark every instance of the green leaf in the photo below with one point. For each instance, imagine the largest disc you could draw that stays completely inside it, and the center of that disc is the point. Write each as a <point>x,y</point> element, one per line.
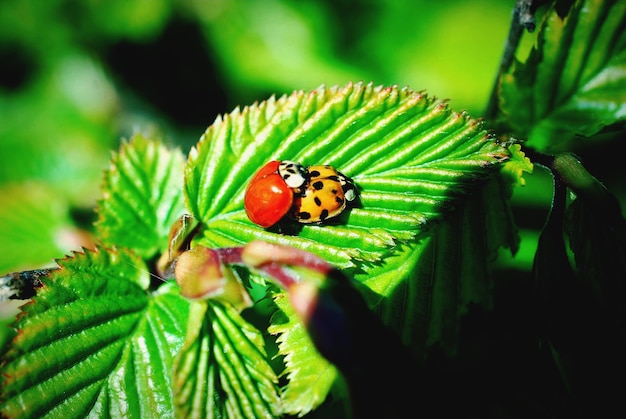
<point>597,232</point>
<point>413,161</point>
<point>222,369</point>
<point>142,196</point>
<point>425,288</point>
<point>310,375</point>
<point>573,82</point>
<point>92,342</point>
<point>409,154</point>
<point>514,168</point>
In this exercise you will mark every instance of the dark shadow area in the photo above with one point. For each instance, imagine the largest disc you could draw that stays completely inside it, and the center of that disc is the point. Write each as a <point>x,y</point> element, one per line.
<point>175,73</point>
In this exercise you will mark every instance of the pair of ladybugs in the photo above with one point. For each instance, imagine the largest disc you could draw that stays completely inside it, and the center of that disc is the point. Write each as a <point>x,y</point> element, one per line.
<point>307,195</point>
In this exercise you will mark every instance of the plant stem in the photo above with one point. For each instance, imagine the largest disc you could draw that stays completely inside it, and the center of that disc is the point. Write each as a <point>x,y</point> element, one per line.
<point>522,19</point>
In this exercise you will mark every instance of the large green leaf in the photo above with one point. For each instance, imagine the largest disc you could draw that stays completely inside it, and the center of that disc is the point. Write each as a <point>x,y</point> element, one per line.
<point>93,343</point>
<point>573,82</point>
<point>408,153</point>
<point>425,288</point>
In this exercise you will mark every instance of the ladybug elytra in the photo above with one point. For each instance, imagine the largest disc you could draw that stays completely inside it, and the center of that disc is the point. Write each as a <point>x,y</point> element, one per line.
<point>325,196</point>
<point>270,193</point>
<point>310,195</point>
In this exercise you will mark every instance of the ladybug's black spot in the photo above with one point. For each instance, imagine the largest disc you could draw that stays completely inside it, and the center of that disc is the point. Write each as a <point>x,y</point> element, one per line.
<point>324,214</point>
<point>339,200</point>
<point>318,185</point>
<point>317,201</point>
<point>333,177</point>
<point>314,173</point>
<point>304,215</point>
<point>334,191</point>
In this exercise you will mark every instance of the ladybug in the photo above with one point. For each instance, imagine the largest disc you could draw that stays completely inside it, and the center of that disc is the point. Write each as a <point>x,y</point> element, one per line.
<point>270,194</point>
<point>325,196</point>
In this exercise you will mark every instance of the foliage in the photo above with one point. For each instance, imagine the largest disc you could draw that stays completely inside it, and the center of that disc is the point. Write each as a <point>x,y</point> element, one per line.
<point>108,335</point>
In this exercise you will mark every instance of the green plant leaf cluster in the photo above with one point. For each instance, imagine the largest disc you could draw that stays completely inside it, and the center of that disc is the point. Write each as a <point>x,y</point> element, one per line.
<point>571,90</point>
<point>105,336</point>
<point>414,161</point>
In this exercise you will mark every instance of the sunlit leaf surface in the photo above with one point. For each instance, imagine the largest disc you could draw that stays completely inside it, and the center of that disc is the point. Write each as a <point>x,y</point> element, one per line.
<point>409,154</point>
<point>222,369</point>
<point>429,193</point>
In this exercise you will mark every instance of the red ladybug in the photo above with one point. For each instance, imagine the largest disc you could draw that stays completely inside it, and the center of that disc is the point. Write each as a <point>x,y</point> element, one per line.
<point>270,193</point>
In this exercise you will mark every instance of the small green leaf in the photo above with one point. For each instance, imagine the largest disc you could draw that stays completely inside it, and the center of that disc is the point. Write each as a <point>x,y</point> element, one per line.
<point>93,342</point>
<point>514,168</point>
<point>222,369</point>
<point>310,375</point>
<point>573,82</point>
<point>142,196</point>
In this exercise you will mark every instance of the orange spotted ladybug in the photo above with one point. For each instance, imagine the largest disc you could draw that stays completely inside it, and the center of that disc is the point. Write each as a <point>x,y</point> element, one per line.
<point>326,195</point>
<point>270,194</point>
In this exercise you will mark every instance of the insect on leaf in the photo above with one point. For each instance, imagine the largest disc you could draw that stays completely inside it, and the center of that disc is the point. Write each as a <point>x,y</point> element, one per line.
<point>413,161</point>
<point>409,155</point>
